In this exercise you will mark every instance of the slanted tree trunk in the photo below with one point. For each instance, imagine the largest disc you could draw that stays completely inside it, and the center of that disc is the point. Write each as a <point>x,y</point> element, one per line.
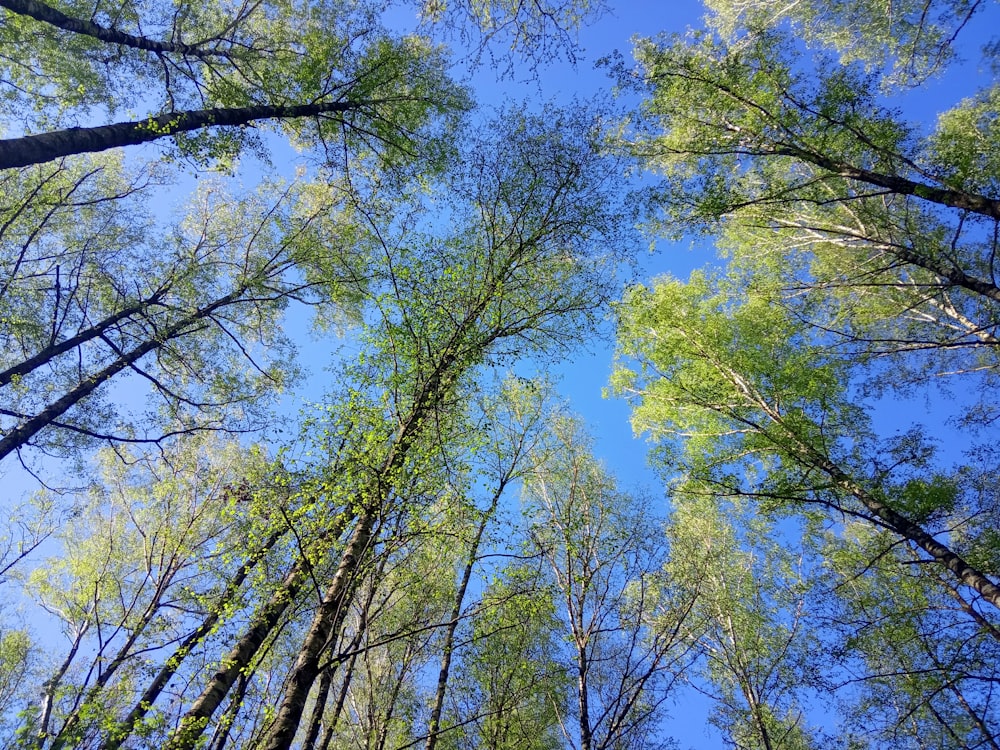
<point>54,17</point>
<point>23,433</point>
<point>37,149</point>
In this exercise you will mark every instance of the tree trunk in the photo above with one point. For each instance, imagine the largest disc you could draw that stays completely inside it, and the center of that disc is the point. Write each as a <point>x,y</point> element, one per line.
<point>171,665</point>
<point>21,435</point>
<point>193,723</point>
<point>326,623</point>
<point>319,708</point>
<point>37,149</point>
<point>49,353</point>
<point>433,725</point>
<point>979,204</point>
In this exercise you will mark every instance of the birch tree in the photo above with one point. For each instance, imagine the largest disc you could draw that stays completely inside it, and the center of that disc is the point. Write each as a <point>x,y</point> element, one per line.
<point>513,280</point>
<point>882,229</point>
<point>859,253</point>
<point>603,553</point>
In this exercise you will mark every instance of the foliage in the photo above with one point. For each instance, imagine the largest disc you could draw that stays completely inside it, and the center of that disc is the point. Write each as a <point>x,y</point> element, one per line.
<point>751,622</point>
<point>909,42</point>
<point>602,551</point>
<point>858,271</point>
<point>433,554</point>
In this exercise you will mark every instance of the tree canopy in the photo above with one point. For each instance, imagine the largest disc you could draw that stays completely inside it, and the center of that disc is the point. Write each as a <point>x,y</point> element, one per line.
<point>859,271</point>
<point>432,548</point>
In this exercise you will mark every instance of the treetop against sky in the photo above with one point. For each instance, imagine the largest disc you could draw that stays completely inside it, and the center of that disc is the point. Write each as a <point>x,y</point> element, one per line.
<point>429,547</point>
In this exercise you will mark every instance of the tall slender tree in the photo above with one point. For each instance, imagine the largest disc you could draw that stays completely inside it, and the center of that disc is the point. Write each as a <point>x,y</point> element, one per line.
<point>521,275</point>
<point>603,553</point>
<point>517,277</point>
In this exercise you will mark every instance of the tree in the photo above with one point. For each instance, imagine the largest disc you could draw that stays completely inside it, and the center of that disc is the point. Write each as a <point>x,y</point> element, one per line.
<point>603,553</point>
<point>516,690</point>
<point>916,688</point>
<point>145,555</point>
<point>753,623</point>
<point>860,256</point>
<point>519,282</point>
<point>910,42</point>
<point>883,235</point>
<point>746,381</point>
<point>513,420</point>
<point>414,607</point>
<point>199,324</point>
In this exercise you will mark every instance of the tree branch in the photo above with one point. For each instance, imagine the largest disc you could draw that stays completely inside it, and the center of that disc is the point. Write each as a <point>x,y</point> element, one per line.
<point>54,17</point>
